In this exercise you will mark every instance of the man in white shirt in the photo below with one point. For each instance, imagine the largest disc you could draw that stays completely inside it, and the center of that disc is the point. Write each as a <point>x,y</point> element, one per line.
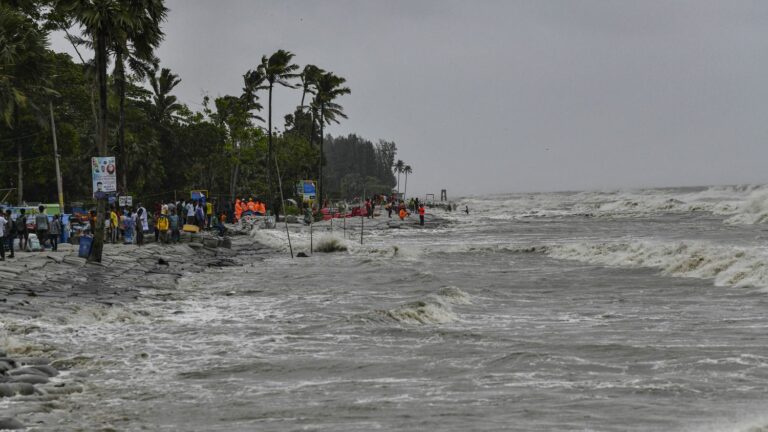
<point>3,223</point>
<point>190,213</point>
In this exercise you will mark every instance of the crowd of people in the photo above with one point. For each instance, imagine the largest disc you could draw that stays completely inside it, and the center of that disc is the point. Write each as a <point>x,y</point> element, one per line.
<point>393,204</point>
<point>167,220</point>
<point>249,207</point>
<point>46,230</point>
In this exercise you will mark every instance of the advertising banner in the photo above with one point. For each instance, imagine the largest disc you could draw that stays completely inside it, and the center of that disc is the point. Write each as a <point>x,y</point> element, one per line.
<point>308,189</point>
<point>103,176</point>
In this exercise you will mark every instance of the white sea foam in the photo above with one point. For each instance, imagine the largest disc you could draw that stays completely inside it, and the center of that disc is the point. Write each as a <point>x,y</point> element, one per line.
<point>746,204</point>
<point>727,265</point>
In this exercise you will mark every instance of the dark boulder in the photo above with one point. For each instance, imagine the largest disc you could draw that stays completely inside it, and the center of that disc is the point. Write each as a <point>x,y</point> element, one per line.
<point>7,423</point>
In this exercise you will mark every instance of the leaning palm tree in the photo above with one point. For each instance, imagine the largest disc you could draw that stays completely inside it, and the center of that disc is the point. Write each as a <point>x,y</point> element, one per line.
<point>104,22</point>
<point>399,166</point>
<point>309,77</point>
<point>253,80</point>
<point>276,69</point>
<point>329,88</point>
<point>23,72</point>
<point>406,170</point>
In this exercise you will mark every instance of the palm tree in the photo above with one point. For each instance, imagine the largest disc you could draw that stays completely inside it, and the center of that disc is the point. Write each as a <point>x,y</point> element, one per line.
<point>406,170</point>
<point>164,104</point>
<point>253,80</point>
<point>276,69</point>
<point>138,51</point>
<point>309,77</point>
<point>399,166</point>
<point>23,72</point>
<point>105,22</point>
<point>329,88</point>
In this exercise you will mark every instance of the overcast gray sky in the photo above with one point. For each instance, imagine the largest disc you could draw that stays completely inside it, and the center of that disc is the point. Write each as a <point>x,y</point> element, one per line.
<point>503,96</point>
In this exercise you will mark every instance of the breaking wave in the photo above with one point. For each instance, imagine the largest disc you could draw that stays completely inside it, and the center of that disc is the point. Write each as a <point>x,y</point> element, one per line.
<point>726,265</point>
<point>434,309</point>
<point>747,204</point>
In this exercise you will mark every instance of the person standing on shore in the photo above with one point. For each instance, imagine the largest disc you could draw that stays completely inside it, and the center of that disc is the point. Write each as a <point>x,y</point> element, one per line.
<point>10,232</point>
<point>129,222</point>
<point>190,213</point>
<point>162,227</point>
<point>3,223</point>
<point>209,213</point>
<point>173,222</point>
<point>21,230</point>
<point>200,216</point>
<point>140,221</point>
<point>114,224</point>
<point>41,227</point>
<point>54,232</point>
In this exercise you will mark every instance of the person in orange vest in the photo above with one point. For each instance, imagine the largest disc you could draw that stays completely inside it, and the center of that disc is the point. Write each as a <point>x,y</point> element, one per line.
<point>251,206</point>
<point>238,209</point>
<point>421,215</point>
<point>403,213</point>
<point>262,208</point>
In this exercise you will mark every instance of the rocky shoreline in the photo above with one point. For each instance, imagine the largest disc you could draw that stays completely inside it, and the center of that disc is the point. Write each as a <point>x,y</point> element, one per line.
<point>34,284</point>
<point>57,285</point>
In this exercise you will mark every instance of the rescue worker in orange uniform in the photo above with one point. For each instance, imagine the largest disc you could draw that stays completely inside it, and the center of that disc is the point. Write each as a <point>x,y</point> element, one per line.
<point>238,209</point>
<point>251,206</point>
<point>261,208</point>
<point>403,213</point>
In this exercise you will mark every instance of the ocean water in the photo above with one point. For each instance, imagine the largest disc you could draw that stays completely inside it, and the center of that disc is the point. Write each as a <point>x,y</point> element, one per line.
<point>601,311</point>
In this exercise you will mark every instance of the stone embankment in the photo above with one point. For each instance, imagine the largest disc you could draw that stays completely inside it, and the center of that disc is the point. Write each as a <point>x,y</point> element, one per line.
<point>39,284</point>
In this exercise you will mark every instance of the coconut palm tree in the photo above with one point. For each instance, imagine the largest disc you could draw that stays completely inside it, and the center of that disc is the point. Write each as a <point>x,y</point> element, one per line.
<point>104,22</point>
<point>399,166</point>
<point>309,77</point>
<point>406,170</point>
<point>164,104</point>
<point>276,69</point>
<point>23,72</point>
<point>137,50</point>
<point>329,88</point>
<point>253,81</point>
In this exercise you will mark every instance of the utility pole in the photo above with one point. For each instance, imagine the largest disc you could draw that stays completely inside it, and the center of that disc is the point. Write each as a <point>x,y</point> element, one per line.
<point>56,159</point>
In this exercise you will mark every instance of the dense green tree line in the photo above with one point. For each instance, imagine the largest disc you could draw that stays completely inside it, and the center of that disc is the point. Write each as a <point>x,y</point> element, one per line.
<point>228,147</point>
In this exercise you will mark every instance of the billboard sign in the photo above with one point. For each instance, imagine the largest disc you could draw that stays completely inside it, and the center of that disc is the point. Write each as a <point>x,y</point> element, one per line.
<point>308,190</point>
<point>103,175</point>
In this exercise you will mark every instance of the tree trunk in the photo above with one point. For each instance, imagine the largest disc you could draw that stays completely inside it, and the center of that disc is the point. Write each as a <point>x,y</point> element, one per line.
<point>121,161</point>
<point>20,185</point>
<point>405,189</point>
<point>270,159</point>
<point>233,182</point>
<point>398,183</point>
<point>101,65</point>
<point>320,184</point>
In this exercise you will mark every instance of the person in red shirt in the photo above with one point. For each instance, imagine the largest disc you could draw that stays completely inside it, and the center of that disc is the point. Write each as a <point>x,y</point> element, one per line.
<point>421,215</point>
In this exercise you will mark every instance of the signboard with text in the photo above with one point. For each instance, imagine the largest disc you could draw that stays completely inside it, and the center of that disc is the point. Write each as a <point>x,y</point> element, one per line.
<point>125,201</point>
<point>103,175</point>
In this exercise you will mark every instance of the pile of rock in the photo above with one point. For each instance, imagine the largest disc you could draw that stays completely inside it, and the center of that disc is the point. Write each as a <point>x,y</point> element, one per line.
<point>23,376</point>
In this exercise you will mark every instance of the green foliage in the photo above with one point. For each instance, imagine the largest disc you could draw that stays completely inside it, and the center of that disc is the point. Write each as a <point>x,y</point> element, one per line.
<point>161,144</point>
<point>292,210</point>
